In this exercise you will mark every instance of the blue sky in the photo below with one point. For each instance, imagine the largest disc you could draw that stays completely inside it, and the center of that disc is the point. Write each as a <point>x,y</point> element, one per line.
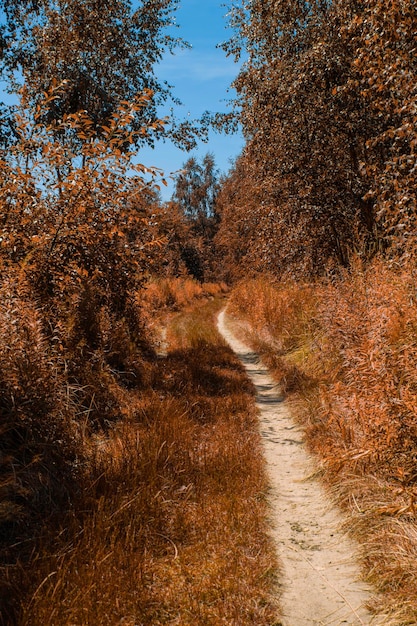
<point>201,77</point>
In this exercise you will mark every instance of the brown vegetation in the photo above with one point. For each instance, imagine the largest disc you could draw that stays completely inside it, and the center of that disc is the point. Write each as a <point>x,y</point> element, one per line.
<point>327,100</point>
<point>100,54</point>
<point>132,486</point>
<point>131,483</point>
<point>345,352</point>
<point>163,519</point>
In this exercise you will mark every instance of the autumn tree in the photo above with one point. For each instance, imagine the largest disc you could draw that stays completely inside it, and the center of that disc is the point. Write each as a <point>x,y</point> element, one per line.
<point>195,193</point>
<point>327,102</point>
<point>100,53</point>
<point>386,63</point>
<point>196,187</point>
<point>178,246</point>
<point>74,252</point>
<point>305,134</point>
<point>245,241</point>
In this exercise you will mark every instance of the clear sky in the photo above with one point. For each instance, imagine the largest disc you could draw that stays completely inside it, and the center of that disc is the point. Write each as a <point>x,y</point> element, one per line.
<point>201,78</point>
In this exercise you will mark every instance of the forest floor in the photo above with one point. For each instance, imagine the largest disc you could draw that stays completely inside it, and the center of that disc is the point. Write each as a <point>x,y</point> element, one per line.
<point>321,579</point>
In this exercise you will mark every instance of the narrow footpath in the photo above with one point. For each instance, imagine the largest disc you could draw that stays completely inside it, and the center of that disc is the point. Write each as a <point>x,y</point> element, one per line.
<point>320,577</point>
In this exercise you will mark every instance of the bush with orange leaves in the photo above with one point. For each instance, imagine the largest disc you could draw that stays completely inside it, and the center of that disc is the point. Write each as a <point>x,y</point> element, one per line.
<point>371,340</point>
<point>76,229</point>
<point>75,242</point>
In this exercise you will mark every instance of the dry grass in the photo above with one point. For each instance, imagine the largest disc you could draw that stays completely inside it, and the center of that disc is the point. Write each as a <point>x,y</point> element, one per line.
<point>177,293</point>
<point>280,324</point>
<point>166,520</point>
<point>347,353</point>
<point>162,297</point>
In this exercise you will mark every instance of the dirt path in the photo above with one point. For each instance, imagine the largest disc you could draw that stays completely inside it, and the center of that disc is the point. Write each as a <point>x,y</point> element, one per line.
<point>320,577</point>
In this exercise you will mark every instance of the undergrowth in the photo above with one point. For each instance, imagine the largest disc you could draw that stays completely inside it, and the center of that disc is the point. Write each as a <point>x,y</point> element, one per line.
<point>345,352</point>
<point>177,293</point>
<point>162,297</point>
<point>157,517</point>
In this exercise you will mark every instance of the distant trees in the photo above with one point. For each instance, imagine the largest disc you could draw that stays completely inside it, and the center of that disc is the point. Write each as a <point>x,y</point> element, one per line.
<point>196,188</point>
<point>247,240</point>
<point>326,100</point>
<point>195,195</point>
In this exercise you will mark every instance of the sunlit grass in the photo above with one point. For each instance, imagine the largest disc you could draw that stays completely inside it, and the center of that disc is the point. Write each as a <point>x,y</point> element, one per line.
<point>345,353</point>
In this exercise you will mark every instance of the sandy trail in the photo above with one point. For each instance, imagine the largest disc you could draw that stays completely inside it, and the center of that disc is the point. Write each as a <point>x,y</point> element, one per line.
<point>320,578</point>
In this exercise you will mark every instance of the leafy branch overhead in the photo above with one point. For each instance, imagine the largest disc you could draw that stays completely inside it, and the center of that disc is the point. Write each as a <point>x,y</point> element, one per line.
<point>100,53</point>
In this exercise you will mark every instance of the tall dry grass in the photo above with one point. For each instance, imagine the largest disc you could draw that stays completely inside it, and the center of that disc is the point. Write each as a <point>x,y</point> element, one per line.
<point>280,321</point>
<point>346,352</point>
<point>165,518</point>
<point>176,293</point>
